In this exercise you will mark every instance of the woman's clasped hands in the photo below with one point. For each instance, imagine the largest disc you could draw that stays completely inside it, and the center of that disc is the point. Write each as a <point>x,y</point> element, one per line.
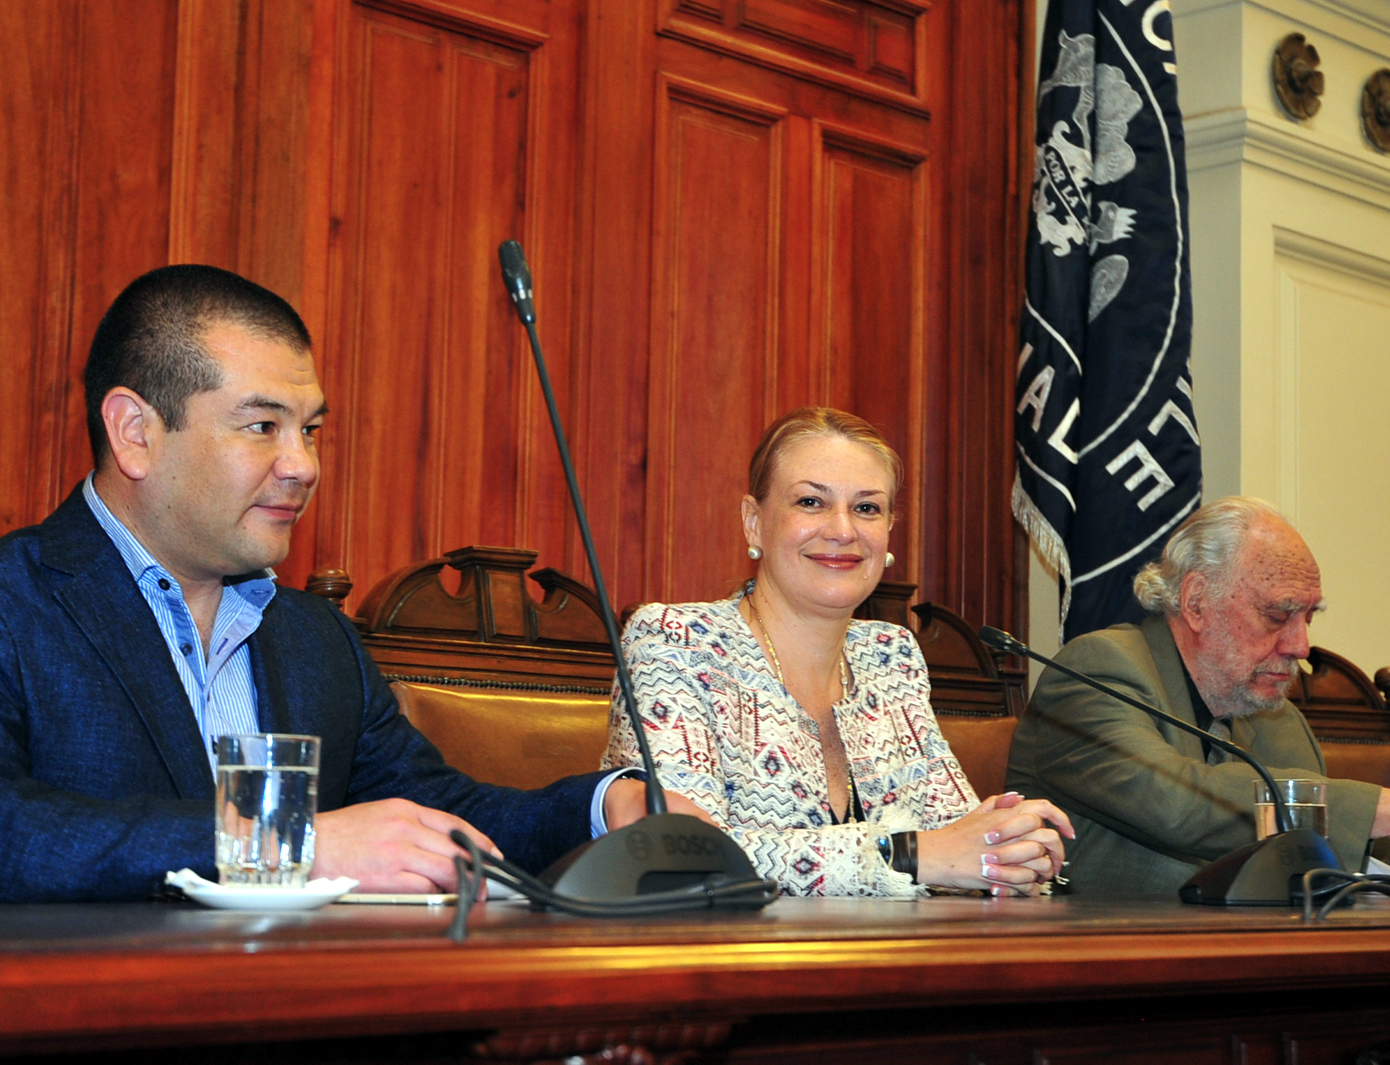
<point>1003,846</point>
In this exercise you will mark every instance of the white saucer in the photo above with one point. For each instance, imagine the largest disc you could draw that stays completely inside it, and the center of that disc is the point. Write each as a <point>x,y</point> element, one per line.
<point>314,894</point>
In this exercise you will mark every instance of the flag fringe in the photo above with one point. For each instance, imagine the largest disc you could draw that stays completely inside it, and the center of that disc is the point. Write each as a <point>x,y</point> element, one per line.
<point>1049,545</point>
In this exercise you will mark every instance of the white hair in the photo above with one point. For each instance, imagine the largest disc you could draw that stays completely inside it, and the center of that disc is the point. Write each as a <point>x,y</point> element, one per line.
<point>1208,543</point>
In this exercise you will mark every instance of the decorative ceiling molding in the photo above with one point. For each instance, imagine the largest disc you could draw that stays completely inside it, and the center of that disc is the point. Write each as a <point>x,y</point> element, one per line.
<point>1221,138</point>
<point>1373,15</point>
<point>1331,256</point>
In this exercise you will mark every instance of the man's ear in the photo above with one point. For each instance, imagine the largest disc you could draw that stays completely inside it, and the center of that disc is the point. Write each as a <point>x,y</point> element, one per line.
<point>751,512</point>
<point>1192,604</point>
<point>130,422</point>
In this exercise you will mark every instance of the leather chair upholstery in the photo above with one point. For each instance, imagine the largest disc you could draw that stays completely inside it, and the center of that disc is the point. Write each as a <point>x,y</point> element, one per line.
<point>523,739</point>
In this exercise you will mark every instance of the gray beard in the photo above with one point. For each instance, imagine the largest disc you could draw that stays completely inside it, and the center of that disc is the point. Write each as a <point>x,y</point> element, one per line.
<point>1240,701</point>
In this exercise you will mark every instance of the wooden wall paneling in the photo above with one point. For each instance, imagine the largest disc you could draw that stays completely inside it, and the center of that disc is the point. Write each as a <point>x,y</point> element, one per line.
<point>87,176</point>
<point>798,374</point>
<point>399,323</point>
<point>1003,285</point>
<point>1021,174</point>
<point>204,172</point>
<point>242,132</point>
<point>974,306</point>
<point>941,462</point>
<point>125,82</point>
<point>284,131</point>
<point>972,328</point>
<point>38,156</point>
<point>281,162</point>
<point>377,359</point>
<point>865,47</point>
<point>716,237</point>
<point>877,143</point>
<point>870,234</point>
<point>545,517</point>
<point>438,119</point>
<point>612,323</point>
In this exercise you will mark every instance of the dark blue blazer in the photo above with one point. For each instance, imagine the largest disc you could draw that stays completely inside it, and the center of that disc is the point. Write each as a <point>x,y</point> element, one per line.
<point>103,781</point>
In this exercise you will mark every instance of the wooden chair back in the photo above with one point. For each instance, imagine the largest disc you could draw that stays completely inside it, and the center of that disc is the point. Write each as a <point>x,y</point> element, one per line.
<point>512,689</point>
<point>1348,715</point>
<point>975,700</point>
<point>515,691</point>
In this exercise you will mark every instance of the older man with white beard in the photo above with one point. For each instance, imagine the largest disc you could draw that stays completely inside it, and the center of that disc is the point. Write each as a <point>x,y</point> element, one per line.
<point>1230,602</point>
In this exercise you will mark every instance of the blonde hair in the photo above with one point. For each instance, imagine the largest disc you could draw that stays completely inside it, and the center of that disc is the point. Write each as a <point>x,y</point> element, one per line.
<point>806,422</point>
<point>1208,542</point>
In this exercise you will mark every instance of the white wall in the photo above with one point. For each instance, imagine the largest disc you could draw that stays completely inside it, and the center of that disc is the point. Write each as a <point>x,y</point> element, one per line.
<point>1291,289</point>
<point>1291,295</point>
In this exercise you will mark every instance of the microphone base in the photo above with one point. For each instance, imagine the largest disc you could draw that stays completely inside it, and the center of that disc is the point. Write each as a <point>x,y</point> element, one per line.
<point>1265,873</point>
<point>663,852</point>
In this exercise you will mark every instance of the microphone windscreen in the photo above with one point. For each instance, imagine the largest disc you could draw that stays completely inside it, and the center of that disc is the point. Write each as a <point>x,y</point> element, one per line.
<point>513,261</point>
<point>1000,640</point>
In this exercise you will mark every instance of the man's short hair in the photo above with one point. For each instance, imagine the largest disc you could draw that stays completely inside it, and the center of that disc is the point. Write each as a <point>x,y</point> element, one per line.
<point>1208,542</point>
<point>151,339</point>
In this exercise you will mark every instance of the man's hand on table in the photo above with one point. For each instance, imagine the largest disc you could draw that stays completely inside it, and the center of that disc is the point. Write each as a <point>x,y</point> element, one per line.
<point>393,846</point>
<point>399,847</point>
<point>626,802</point>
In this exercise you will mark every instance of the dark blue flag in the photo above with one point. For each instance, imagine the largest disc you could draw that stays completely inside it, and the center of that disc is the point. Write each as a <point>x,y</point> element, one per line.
<point>1109,461</point>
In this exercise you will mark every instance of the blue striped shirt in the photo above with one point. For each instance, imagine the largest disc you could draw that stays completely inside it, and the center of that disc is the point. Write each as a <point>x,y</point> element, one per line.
<point>220,687</point>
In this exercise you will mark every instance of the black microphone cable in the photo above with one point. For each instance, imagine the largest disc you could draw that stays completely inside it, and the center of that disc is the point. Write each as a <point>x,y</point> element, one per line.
<point>1354,884</point>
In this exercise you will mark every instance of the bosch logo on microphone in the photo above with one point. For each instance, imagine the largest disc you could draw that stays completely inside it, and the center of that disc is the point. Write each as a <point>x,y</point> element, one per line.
<point>690,845</point>
<point>639,845</point>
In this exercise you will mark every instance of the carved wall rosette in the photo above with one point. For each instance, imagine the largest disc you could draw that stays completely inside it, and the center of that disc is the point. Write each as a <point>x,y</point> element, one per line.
<point>1375,109</point>
<point>1297,81</point>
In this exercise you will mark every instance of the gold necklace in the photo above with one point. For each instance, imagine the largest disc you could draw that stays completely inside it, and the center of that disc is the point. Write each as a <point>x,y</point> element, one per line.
<point>777,664</point>
<point>844,691</point>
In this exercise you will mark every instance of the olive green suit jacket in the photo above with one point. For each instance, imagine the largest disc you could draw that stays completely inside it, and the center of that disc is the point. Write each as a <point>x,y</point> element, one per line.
<point>1148,810</point>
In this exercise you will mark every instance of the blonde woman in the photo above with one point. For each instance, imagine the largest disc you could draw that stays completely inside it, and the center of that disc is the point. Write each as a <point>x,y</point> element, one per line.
<point>805,734</point>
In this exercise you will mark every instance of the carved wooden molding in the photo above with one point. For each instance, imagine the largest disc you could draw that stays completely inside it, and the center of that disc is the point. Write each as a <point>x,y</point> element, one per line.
<point>491,629</point>
<point>492,602</point>
<point>1339,700</point>
<point>460,20</point>
<point>966,677</point>
<point>887,62</point>
<point>1297,81</point>
<point>332,584</point>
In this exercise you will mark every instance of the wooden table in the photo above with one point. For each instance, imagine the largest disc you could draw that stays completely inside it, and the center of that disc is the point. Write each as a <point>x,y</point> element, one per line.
<point>946,979</point>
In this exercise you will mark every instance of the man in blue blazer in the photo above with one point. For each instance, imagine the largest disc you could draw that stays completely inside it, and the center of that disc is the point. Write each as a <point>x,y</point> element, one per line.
<point>139,621</point>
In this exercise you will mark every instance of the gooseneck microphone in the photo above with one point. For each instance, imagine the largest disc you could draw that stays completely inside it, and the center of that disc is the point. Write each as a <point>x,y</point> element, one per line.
<point>516,275</point>
<point>1268,872</point>
<point>1002,641</point>
<point>673,861</point>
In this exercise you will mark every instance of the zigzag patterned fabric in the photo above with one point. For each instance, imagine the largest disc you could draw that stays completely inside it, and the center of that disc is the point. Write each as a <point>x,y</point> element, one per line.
<point>725,733</point>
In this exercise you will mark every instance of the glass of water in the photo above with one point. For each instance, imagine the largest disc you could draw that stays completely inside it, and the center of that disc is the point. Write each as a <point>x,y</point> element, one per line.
<point>267,791</point>
<point>1306,801</point>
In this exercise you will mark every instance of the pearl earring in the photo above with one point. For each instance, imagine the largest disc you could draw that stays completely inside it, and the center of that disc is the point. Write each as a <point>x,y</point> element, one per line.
<point>755,553</point>
<point>888,560</point>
